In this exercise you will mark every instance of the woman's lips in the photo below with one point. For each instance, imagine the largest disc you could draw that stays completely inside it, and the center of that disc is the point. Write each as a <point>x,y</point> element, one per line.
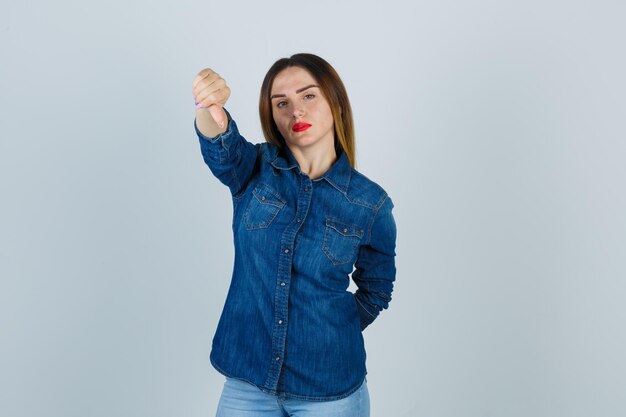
<point>300,127</point>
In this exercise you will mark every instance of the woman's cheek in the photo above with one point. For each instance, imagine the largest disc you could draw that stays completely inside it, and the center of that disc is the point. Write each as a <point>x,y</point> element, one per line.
<point>284,130</point>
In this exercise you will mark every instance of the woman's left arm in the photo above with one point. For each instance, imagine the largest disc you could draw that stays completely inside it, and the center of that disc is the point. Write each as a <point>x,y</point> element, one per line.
<point>375,266</point>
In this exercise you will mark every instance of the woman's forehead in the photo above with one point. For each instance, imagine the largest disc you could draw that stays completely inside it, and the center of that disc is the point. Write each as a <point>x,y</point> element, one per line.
<point>291,79</point>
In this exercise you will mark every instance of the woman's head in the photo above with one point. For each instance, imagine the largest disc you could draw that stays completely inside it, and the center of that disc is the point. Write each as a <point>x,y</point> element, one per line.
<point>331,111</point>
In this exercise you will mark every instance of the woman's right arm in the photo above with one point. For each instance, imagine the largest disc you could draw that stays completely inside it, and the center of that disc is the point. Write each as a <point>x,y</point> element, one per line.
<point>229,156</point>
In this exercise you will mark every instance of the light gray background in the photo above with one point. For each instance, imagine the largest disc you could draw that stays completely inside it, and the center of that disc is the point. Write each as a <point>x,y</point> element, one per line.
<point>497,127</point>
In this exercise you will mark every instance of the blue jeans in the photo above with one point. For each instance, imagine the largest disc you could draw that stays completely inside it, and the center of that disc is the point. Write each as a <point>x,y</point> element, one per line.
<point>241,399</point>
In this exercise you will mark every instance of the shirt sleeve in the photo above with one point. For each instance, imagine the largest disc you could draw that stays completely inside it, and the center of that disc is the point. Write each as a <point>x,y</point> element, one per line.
<point>229,156</point>
<point>375,266</point>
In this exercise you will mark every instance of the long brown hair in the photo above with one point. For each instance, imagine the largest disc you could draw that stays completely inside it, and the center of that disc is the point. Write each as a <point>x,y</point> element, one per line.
<point>334,91</point>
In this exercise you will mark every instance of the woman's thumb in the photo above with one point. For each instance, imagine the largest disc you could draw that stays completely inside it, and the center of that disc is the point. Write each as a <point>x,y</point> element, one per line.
<point>218,114</point>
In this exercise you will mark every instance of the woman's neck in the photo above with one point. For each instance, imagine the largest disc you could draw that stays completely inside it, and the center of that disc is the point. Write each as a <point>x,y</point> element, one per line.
<point>314,161</point>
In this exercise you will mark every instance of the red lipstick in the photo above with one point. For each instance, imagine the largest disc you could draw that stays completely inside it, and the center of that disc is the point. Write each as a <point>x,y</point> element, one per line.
<point>300,127</point>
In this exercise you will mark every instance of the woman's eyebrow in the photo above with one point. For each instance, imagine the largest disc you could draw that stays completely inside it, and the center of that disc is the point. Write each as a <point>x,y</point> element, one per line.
<point>297,91</point>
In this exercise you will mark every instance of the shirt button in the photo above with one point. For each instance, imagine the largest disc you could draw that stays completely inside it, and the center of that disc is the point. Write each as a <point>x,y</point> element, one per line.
<point>277,358</point>
<point>345,230</point>
<point>286,250</point>
<point>298,220</point>
<point>280,322</point>
<point>262,198</point>
<point>282,284</point>
<point>306,188</point>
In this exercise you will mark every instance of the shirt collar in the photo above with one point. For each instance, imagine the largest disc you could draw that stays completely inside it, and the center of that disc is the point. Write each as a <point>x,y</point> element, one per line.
<point>338,175</point>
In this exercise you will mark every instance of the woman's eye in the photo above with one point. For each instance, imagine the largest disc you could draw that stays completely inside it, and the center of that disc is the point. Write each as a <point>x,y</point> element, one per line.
<point>306,96</point>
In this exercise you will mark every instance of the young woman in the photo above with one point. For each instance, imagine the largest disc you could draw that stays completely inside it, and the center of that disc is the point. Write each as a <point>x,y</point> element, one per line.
<point>289,340</point>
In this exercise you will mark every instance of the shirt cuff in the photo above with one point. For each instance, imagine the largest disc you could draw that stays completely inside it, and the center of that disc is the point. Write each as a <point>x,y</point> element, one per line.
<point>365,317</point>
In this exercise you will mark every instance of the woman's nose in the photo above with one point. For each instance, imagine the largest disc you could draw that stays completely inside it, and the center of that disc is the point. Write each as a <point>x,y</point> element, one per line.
<point>298,111</point>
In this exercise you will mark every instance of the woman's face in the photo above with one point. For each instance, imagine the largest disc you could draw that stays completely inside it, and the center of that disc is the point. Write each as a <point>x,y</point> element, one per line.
<point>297,102</point>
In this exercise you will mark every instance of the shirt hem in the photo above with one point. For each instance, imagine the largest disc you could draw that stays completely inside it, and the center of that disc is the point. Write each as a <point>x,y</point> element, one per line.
<point>284,394</point>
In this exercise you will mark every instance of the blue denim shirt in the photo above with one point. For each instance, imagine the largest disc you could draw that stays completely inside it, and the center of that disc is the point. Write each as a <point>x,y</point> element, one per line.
<point>289,324</point>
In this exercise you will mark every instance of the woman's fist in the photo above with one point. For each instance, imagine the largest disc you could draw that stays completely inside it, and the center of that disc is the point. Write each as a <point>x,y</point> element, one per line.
<point>211,93</point>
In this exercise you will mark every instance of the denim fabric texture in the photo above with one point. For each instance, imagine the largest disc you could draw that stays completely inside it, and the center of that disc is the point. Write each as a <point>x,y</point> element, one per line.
<point>289,325</point>
<point>242,399</point>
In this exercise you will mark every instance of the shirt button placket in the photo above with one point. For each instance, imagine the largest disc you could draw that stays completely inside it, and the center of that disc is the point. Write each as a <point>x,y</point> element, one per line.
<point>285,265</point>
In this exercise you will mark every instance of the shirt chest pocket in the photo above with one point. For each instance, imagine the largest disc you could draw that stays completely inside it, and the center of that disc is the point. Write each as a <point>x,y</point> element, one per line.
<point>263,207</point>
<point>341,241</point>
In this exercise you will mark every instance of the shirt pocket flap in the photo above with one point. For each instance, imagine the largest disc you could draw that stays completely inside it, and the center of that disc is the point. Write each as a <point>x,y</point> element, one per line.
<point>266,196</point>
<point>344,228</point>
